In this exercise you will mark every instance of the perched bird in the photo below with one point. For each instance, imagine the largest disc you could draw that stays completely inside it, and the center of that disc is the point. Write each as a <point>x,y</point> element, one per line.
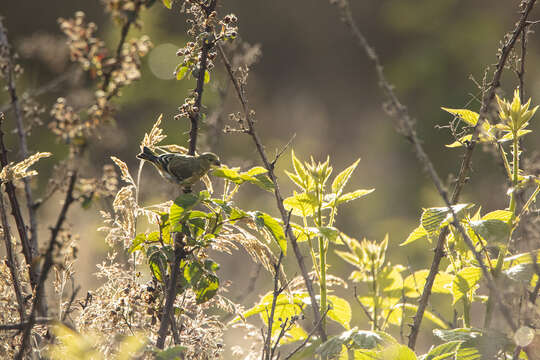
<point>181,169</point>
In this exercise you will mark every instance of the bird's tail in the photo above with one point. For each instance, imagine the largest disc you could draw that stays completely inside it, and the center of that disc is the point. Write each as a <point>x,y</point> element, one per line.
<point>147,154</point>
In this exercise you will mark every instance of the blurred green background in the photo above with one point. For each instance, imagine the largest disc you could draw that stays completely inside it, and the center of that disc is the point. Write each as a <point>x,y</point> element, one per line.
<point>311,81</point>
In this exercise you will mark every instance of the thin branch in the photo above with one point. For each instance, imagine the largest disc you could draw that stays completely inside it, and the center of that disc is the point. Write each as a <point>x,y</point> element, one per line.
<point>23,325</point>
<point>312,332</point>
<point>16,210</point>
<point>50,86</point>
<point>277,291</point>
<point>406,124</point>
<point>203,64</point>
<point>11,260</point>
<point>123,35</point>
<point>179,254</point>
<point>10,79</point>
<point>279,199</point>
<point>47,264</point>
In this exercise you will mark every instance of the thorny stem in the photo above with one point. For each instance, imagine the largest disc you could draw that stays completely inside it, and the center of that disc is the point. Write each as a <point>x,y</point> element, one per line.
<point>407,126</point>
<point>10,80</point>
<point>277,193</point>
<point>47,265</point>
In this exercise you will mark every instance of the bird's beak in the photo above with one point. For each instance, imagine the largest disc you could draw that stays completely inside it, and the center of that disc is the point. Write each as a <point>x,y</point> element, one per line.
<point>217,163</point>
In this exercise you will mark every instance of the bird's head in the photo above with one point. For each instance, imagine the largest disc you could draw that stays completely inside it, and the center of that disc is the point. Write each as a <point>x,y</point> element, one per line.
<point>210,158</point>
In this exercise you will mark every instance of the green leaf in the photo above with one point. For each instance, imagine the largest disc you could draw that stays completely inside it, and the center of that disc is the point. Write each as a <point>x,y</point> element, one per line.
<point>461,334</point>
<point>468,116</point>
<point>414,283</point>
<point>157,261</point>
<point>206,76</point>
<point>521,272</point>
<point>463,140</point>
<point>354,195</point>
<point>340,311</point>
<point>354,338</point>
<point>492,230</point>
<point>464,281</point>
<point>444,351</point>
<point>303,204</point>
<point>273,227</point>
<point>342,178</point>
<point>502,215</point>
<point>398,352</point>
<point>181,71</point>
<point>256,175</point>
<point>206,288</point>
<point>167,3</point>
<point>137,242</point>
<point>433,218</point>
<point>171,353</point>
<point>181,206</point>
<point>302,179</point>
<point>417,234</point>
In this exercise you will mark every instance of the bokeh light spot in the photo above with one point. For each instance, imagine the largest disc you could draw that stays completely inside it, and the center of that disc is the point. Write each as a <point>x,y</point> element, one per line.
<point>162,61</point>
<point>523,336</point>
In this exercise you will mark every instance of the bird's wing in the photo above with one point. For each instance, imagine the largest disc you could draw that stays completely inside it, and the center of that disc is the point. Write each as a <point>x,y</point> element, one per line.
<point>182,167</point>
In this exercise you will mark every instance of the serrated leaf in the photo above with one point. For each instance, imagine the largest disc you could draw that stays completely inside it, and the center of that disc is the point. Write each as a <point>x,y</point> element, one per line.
<point>502,215</point>
<point>303,204</point>
<point>273,227</point>
<point>354,195</point>
<point>492,230</point>
<point>343,177</point>
<point>181,207</point>
<point>433,218</point>
<point>397,352</point>
<point>417,234</point>
<point>300,172</point>
<point>521,272</point>
<point>464,281</point>
<point>461,334</point>
<point>468,116</point>
<point>444,351</point>
<point>340,311</point>
<point>137,242</point>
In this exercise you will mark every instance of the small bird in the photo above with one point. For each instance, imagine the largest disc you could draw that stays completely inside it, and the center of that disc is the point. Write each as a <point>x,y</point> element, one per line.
<point>181,169</point>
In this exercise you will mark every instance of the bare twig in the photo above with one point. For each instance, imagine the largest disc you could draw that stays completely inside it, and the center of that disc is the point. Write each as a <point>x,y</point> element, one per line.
<point>406,125</point>
<point>268,351</point>
<point>10,79</point>
<point>23,325</point>
<point>16,210</point>
<point>50,86</point>
<point>47,264</point>
<point>123,35</point>
<point>312,332</point>
<point>11,260</point>
<point>279,199</point>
